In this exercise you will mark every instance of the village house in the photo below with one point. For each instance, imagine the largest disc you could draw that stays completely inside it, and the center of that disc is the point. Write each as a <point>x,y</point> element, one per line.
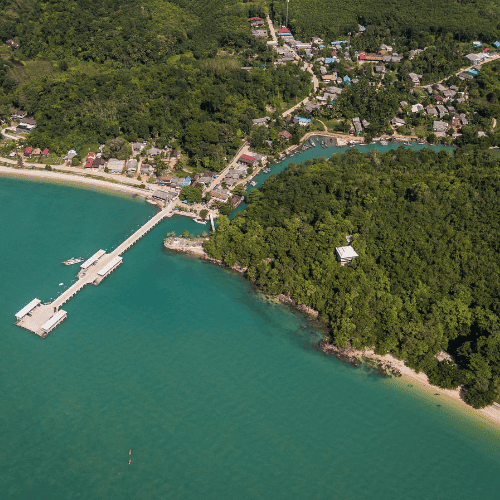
<point>260,33</point>
<point>365,123</point>
<point>70,155</point>
<point>463,119</point>
<point>115,166</point>
<point>154,151</point>
<point>12,44</point>
<point>26,125</point>
<point>416,108</point>
<point>415,78</point>
<point>310,107</point>
<point>28,151</point>
<point>137,147</point>
<point>432,111</point>
<point>439,126</point>
<point>475,58</point>
<point>387,48</point>
<point>357,125</point>
<point>98,162</point>
<point>247,160</point>
<point>284,32</point>
<point>316,40</point>
<point>44,152</point>
<point>17,114</point>
<point>304,122</point>
<point>449,94</point>
<point>395,58</point>
<point>345,255</point>
<point>398,122</point>
<point>284,134</point>
<point>363,56</point>
<point>163,196</point>
<point>146,169</point>
<point>329,78</point>
<point>261,121</point>
<point>442,110</point>
<point>380,70</point>
<point>132,166</point>
<point>257,22</point>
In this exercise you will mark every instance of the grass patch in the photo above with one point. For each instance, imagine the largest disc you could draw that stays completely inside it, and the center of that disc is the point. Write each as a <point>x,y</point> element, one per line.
<point>38,69</point>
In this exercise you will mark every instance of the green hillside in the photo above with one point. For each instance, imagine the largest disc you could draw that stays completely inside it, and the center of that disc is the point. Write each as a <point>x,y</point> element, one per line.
<point>410,19</point>
<point>425,226</point>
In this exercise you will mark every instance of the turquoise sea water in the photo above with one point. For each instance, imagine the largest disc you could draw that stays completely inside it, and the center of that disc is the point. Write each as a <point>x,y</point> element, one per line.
<point>218,393</point>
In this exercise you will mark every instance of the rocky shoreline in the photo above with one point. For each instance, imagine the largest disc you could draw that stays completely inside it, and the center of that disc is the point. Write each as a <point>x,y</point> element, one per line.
<point>194,247</point>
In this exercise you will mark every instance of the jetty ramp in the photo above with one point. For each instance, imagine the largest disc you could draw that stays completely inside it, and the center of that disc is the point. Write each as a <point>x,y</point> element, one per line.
<point>41,318</point>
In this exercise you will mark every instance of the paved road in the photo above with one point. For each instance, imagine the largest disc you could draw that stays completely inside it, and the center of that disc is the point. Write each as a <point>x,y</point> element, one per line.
<point>494,58</point>
<point>12,137</point>
<point>271,29</point>
<point>243,150</point>
<point>307,66</point>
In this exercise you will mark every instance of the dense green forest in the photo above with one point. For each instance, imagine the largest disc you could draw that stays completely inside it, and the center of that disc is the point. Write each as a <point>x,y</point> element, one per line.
<point>154,69</point>
<point>208,105</point>
<point>131,32</point>
<point>412,20</point>
<point>425,226</point>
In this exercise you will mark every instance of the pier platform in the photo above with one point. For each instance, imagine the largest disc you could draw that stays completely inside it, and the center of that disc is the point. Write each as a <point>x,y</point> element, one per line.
<point>41,318</point>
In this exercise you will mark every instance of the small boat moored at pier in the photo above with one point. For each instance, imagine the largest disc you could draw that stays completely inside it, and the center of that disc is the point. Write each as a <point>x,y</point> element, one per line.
<point>72,261</point>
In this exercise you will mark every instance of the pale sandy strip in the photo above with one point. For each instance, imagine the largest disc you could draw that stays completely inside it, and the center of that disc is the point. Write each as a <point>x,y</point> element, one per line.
<point>490,413</point>
<point>73,179</point>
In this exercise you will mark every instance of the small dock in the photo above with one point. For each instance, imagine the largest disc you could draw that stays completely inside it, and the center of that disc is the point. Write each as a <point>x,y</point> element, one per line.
<point>41,318</point>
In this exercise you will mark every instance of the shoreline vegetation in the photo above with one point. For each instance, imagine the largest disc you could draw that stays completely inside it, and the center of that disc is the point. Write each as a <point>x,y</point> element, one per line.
<point>386,365</point>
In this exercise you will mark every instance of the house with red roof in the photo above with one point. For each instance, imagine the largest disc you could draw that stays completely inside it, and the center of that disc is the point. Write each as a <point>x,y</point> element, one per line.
<point>89,162</point>
<point>91,155</point>
<point>285,134</point>
<point>247,159</point>
<point>371,57</point>
<point>27,151</point>
<point>284,32</point>
<point>45,152</point>
<point>255,19</point>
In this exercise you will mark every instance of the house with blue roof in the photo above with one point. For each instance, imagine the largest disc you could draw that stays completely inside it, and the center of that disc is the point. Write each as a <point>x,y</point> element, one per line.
<point>322,46</point>
<point>497,44</point>
<point>473,72</point>
<point>186,181</point>
<point>302,121</point>
<point>329,60</point>
<point>347,80</point>
<point>339,42</point>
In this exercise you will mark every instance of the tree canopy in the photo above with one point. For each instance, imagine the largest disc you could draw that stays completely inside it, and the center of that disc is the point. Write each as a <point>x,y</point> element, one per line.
<point>427,279</point>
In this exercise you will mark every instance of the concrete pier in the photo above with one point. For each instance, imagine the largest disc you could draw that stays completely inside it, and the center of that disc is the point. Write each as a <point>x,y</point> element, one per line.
<point>41,318</point>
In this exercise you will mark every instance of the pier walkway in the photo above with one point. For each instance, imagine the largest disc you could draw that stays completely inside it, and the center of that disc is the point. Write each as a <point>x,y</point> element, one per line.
<point>41,318</point>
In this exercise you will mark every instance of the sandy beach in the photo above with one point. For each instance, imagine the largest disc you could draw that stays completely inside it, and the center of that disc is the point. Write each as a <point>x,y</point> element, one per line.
<point>68,178</point>
<point>490,413</point>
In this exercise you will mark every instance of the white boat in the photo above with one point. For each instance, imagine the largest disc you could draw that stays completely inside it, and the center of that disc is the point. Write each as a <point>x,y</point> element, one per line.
<point>61,284</point>
<point>199,221</point>
<point>383,142</point>
<point>72,261</point>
